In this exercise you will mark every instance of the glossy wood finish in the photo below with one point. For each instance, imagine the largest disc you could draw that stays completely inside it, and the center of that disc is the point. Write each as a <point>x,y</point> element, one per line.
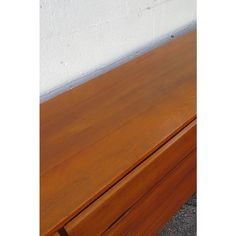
<point>125,194</point>
<point>56,234</point>
<point>94,135</point>
<point>148,216</point>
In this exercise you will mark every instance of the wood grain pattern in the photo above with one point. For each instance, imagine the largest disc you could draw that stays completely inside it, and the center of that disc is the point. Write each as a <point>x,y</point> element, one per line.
<point>56,234</point>
<point>157,206</point>
<point>93,135</point>
<point>111,205</point>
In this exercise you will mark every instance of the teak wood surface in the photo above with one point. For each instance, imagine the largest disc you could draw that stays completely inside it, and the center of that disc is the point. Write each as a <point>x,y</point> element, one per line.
<point>134,187</point>
<point>150,213</point>
<point>96,134</point>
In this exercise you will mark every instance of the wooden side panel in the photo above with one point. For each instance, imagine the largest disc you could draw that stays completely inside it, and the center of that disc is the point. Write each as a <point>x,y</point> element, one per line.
<point>157,206</point>
<point>109,207</point>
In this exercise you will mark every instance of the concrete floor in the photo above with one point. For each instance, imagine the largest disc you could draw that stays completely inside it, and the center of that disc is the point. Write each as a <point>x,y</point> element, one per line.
<point>184,222</point>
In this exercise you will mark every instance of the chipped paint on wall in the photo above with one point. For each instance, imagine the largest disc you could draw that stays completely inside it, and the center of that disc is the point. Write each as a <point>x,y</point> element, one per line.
<point>79,37</point>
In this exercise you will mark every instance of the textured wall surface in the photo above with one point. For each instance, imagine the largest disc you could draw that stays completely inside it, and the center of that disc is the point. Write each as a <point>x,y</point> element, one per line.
<point>81,36</point>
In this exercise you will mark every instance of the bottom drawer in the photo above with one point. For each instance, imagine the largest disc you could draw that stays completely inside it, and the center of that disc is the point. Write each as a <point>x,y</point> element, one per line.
<point>156,207</point>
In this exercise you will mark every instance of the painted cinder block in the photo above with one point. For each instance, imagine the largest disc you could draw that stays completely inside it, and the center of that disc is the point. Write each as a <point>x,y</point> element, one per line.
<point>79,37</point>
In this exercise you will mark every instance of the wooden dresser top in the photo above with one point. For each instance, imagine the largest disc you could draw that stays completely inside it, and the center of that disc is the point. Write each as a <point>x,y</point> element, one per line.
<point>95,134</point>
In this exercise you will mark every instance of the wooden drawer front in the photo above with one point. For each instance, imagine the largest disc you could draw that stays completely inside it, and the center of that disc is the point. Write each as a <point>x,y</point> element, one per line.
<point>103,214</point>
<point>160,203</point>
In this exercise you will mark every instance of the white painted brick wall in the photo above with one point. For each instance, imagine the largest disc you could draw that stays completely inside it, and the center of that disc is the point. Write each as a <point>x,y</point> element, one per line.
<point>81,36</point>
